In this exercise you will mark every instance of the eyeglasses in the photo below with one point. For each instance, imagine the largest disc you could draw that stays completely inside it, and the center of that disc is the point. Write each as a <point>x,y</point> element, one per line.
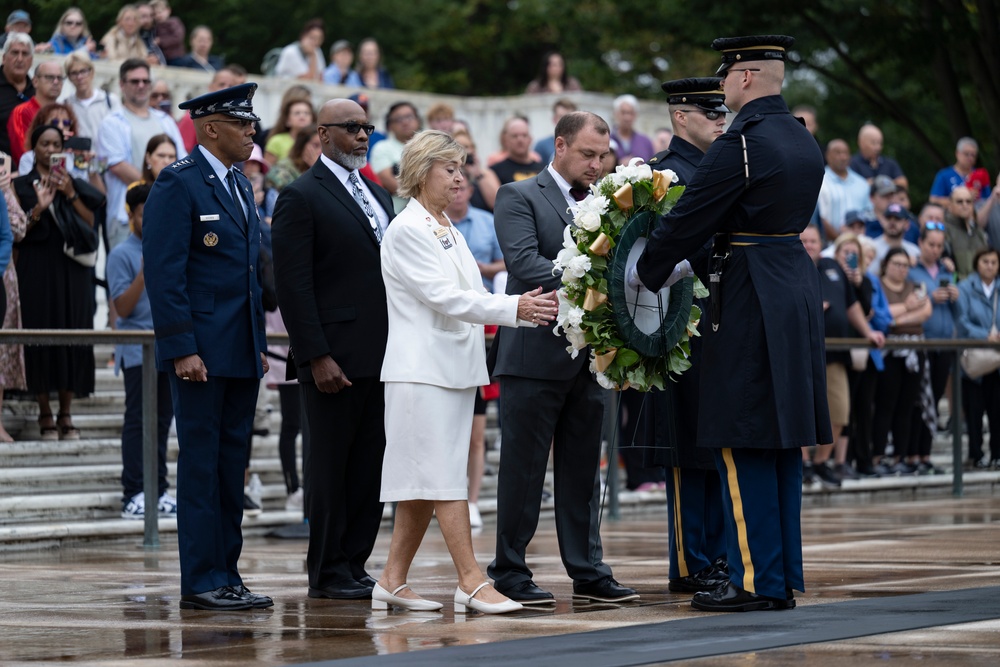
<point>52,78</point>
<point>934,226</point>
<point>61,122</point>
<point>80,72</point>
<point>71,22</point>
<point>962,201</point>
<point>711,115</point>
<point>242,122</point>
<point>900,265</point>
<point>138,82</point>
<point>403,118</point>
<point>156,96</point>
<point>352,126</point>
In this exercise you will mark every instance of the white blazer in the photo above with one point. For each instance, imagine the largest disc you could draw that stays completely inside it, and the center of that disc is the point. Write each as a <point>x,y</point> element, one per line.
<point>437,304</point>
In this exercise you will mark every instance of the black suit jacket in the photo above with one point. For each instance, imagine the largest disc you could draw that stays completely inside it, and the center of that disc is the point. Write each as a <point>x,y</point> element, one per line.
<point>328,275</point>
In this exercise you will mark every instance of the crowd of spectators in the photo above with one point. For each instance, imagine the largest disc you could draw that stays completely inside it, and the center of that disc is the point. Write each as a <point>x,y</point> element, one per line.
<point>927,275</point>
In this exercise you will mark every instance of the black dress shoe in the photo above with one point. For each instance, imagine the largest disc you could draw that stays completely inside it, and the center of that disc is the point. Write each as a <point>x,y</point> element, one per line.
<point>528,593</point>
<point>367,580</point>
<point>342,590</point>
<point>256,600</point>
<point>730,597</point>
<point>787,603</point>
<point>604,590</point>
<point>707,579</point>
<point>221,599</point>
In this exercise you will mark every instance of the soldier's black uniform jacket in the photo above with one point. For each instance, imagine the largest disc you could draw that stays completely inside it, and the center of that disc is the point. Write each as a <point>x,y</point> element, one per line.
<point>763,379</point>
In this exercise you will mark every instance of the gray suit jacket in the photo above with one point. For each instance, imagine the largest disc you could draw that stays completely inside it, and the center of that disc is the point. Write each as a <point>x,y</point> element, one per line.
<point>530,218</point>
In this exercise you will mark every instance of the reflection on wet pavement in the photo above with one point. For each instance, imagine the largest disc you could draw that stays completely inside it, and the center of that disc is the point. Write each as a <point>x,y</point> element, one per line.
<point>114,603</point>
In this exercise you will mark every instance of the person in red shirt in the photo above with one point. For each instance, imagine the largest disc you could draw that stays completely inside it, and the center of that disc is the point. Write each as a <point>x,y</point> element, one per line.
<point>48,82</point>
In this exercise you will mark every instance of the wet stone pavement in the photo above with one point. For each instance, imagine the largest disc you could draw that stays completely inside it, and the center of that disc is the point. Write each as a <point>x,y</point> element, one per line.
<point>112,603</point>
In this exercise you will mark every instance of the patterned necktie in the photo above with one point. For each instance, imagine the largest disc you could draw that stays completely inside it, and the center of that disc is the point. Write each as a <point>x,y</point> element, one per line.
<point>366,206</point>
<point>579,194</point>
<point>234,192</point>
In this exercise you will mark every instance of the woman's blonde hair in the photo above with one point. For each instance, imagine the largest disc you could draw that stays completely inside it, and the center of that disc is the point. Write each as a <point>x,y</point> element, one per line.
<point>420,154</point>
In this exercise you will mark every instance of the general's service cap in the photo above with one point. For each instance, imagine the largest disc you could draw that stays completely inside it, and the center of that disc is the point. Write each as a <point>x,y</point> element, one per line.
<point>236,102</point>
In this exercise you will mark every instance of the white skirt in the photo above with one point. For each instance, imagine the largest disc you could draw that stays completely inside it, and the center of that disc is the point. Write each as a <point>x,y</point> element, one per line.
<point>427,431</point>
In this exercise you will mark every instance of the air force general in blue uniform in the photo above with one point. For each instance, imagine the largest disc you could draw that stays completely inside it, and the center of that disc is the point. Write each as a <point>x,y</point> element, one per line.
<point>201,239</point>
<point>763,376</point>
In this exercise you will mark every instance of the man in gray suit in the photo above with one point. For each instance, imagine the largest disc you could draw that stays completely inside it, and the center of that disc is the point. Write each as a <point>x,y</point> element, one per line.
<point>547,398</point>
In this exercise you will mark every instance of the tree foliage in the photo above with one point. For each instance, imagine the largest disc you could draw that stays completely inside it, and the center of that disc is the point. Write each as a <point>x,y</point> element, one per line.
<point>926,71</point>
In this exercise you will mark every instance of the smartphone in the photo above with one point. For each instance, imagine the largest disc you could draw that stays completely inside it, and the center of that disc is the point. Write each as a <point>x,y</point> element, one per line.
<point>5,163</point>
<point>852,260</point>
<point>944,282</point>
<point>921,290</point>
<point>60,160</point>
<point>77,144</point>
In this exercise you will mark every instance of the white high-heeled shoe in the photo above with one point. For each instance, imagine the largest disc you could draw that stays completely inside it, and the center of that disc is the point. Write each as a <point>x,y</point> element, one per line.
<point>381,599</point>
<point>465,601</point>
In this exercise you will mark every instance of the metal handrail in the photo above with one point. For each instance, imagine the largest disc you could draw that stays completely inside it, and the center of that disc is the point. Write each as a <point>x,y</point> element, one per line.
<point>151,535</point>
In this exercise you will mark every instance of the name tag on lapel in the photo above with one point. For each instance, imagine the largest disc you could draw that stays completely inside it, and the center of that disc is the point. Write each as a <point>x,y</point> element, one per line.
<point>209,218</point>
<point>444,237</point>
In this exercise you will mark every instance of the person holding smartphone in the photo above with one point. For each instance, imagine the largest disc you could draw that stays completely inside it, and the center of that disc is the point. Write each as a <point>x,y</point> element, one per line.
<point>55,289</point>
<point>938,283</point>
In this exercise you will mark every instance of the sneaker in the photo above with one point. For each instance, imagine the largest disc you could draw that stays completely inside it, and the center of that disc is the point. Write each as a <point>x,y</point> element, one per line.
<point>167,505</point>
<point>826,476</point>
<point>981,464</point>
<point>255,489</point>
<point>904,468</point>
<point>808,476</point>
<point>475,518</point>
<point>846,471</point>
<point>135,508</point>
<point>294,501</point>
<point>250,508</point>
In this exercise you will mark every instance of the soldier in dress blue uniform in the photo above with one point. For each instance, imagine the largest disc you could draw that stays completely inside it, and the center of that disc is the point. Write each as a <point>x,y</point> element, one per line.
<point>694,491</point>
<point>201,239</point>
<point>762,393</point>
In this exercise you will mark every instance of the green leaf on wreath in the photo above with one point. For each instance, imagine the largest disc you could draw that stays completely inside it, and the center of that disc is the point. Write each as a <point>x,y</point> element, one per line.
<point>626,357</point>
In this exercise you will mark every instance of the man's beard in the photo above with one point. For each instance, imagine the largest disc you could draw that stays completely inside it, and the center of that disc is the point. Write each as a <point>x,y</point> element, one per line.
<point>348,160</point>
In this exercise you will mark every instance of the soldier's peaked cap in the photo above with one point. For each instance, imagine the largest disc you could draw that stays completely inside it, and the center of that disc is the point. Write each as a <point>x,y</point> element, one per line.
<point>753,47</point>
<point>702,92</point>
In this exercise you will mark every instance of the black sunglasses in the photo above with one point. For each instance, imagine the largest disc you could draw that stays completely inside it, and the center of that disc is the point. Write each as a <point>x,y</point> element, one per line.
<point>711,115</point>
<point>352,127</point>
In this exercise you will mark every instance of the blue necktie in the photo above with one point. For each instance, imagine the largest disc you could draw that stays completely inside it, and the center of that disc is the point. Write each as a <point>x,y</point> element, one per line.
<point>234,191</point>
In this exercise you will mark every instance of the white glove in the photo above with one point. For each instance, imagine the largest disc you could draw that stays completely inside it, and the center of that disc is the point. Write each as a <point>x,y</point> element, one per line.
<point>632,278</point>
<point>682,270</point>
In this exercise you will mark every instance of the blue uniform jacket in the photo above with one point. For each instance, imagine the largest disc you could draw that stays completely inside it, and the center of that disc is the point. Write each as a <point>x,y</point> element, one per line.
<point>200,266</point>
<point>763,379</point>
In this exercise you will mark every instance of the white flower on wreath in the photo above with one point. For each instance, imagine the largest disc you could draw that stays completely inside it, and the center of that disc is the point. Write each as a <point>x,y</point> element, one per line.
<point>587,213</point>
<point>577,341</point>
<point>636,170</point>
<point>576,268</point>
<point>568,252</point>
<point>604,381</point>
<point>670,175</point>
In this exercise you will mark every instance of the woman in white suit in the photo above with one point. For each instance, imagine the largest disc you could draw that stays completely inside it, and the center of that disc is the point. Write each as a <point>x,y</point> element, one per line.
<point>435,361</point>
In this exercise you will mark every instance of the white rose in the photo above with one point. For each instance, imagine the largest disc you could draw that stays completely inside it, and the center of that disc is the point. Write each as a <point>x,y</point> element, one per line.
<point>670,175</point>
<point>576,338</point>
<point>588,220</point>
